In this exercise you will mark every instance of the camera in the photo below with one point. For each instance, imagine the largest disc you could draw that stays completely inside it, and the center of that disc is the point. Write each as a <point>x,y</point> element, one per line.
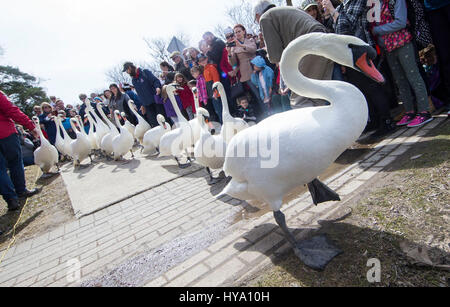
<point>232,44</point>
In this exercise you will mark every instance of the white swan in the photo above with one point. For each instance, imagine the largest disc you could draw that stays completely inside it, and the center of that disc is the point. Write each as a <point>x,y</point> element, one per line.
<point>123,142</point>
<point>142,127</point>
<point>106,143</point>
<point>175,142</point>
<point>231,125</point>
<point>92,132</point>
<point>153,136</point>
<point>59,141</point>
<point>209,150</point>
<point>101,128</point>
<point>304,141</point>
<point>46,155</point>
<point>128,125</point>
<point>194,123</point>
<point>80,148</point>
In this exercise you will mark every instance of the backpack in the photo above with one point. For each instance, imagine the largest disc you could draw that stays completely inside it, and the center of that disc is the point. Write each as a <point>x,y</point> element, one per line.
<point>418,26</point>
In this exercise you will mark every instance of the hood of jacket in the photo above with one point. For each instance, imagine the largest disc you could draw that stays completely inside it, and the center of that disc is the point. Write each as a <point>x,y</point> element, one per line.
<point>259,61</point>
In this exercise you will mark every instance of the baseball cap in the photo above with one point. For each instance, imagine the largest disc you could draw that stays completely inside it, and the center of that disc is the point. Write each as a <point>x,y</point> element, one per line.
<point>126,66</point>
<point>307,4</point>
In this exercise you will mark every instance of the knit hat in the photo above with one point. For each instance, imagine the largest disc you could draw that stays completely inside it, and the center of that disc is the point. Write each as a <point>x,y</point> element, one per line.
<point>261,6</point>
<point>307,4</point>
<point>228,31</point>
<point>174,54</point>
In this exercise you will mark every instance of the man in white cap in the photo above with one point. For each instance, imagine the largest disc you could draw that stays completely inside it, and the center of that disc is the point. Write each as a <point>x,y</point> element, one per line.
<point>280,26</point>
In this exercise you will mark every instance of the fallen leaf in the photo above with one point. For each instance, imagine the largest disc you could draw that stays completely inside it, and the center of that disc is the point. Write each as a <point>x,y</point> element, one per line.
<point>418,253</point>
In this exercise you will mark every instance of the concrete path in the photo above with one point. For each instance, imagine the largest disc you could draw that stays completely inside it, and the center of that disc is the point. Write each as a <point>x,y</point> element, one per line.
<point>107,182</point>
<point>156,222</point>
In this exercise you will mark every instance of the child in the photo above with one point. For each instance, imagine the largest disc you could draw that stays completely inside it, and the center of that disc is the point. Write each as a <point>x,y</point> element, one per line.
<point>211,76</point>
<point>186,96</point>
<point>262,78</point>
<point>397,41</point>
<point>246,111</point>
<point>197,73</point>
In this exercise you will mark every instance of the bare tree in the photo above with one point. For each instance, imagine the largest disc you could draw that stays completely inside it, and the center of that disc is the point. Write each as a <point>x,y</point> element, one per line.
<point>115,74</point>
<point>242,13</point>
<point>158,48</point>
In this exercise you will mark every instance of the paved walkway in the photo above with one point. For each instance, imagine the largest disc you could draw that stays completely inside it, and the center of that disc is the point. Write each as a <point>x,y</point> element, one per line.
<point>182,207</point>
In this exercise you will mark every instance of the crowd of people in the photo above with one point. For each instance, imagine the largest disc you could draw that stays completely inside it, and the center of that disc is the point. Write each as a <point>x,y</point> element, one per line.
<point>411,39</point>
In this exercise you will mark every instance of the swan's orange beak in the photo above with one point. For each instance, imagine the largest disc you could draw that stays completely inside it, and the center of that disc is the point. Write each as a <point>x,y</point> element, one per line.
<point>368,68</point>
<point>362,60</point>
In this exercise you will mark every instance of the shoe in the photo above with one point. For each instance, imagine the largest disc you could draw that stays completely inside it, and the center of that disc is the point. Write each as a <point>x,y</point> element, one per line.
<point>28,193</point>
<point>421,119</point>
<point>406,119</point>
<point>386,127</point>
<point>13,204</point>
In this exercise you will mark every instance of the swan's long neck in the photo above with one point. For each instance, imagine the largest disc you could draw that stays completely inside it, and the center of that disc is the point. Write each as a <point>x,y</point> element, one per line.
<point>41,135</point>
<point>100,110</point>
<point>131,106</point>
<point>61,126</point>
<point>175,106</point>
<point>223,97</point>
<point>92,124</point>
<point>331,46</point>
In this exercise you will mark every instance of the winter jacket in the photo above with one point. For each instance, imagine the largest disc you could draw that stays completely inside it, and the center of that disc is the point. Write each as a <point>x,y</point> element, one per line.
<point>187,97</point>
<point>435,4</point>
<point>267,73</point>
<point>211,76</point>
<point>9,114</point>
<point>247,114</point>
<point>216,51</point>
<point>170,112</point>
<point>395,24</point>
<point>202,92</point>
<point>241,57</point>
<point>49,126</point>
<point>146,84</point>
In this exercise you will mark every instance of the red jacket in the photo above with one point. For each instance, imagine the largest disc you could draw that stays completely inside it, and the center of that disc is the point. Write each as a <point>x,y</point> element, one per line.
<point>224,64</point>
<point>9,114</point>
<point>187,98</point>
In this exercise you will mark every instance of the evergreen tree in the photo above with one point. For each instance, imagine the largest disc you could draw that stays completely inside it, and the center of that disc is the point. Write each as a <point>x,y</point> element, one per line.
<point>22,89</point>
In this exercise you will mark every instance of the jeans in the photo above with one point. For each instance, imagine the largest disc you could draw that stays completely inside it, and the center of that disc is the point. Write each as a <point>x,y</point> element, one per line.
<point>11,158</point>
<point>217,104</point>
<point>150,115</point>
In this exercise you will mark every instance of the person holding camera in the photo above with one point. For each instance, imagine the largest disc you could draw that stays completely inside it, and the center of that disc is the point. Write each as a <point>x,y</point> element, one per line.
<point>241,50</point>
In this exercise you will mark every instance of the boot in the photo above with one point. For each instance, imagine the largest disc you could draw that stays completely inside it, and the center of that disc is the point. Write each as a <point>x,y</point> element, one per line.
<point>386,127</point>
<point>28,193</point>
<point>13,204</point>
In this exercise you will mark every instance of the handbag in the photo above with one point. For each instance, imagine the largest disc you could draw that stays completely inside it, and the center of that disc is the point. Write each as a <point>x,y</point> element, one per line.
<point>237,90</point>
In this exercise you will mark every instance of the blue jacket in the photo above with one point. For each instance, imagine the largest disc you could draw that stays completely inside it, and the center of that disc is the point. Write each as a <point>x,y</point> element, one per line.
<point>267,74</point>
<point>146,84</point>
<point>135,98</point>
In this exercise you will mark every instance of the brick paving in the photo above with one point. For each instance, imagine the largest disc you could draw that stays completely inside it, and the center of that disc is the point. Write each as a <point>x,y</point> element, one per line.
<point>103,240</point>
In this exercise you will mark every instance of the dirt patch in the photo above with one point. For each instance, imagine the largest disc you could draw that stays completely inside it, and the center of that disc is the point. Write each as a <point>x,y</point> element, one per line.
<point>408,204</point>
<point>43,212</point>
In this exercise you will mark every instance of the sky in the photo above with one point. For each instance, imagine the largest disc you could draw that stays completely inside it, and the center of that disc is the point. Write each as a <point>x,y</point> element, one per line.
<point>70,44</point>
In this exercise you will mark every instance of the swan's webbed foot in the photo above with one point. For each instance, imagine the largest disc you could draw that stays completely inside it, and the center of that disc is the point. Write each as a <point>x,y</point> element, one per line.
<point>214,180</point>
<point>182,166</point>
<point>320,193</point>
<point>316,252</point>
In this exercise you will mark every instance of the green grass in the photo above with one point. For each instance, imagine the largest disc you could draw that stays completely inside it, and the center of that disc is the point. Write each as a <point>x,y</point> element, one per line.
<point>409,202</point>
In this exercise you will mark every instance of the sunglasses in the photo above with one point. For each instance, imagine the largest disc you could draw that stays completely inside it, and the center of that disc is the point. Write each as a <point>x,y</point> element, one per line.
<point>229,36</point>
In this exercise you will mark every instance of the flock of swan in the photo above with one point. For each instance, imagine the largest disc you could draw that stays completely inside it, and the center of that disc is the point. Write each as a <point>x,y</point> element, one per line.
<point>309,139</point>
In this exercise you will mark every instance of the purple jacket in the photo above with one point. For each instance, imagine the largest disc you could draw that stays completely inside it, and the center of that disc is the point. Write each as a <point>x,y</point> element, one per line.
<point>170,112</point>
